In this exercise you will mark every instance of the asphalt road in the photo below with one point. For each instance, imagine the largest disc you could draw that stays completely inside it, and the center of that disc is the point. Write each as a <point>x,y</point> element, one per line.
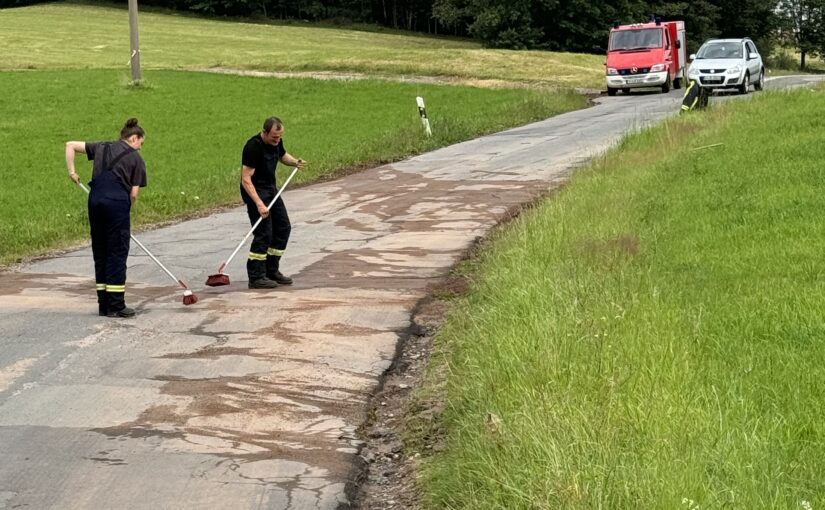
<point>251,399</point>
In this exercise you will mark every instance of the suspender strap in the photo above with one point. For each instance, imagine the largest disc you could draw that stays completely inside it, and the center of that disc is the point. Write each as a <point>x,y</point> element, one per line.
<point>107,151</point>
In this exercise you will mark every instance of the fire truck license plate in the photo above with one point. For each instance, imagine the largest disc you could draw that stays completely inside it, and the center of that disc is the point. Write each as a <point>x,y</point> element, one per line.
<point>634,80</point>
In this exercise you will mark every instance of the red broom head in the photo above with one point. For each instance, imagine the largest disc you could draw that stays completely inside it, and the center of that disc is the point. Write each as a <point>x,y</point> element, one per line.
<point>216,280</point>
<point>189,298</point>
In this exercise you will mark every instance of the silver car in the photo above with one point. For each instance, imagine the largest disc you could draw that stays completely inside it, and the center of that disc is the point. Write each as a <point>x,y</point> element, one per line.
<point>728,64</point>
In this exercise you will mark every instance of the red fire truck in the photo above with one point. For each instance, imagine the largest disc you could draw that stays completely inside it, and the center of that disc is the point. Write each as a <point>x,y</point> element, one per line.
<point>646,55</point>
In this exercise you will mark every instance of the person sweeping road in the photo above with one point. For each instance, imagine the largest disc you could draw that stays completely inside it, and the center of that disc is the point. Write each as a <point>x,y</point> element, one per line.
<point>118,173</point>
<point>259,160</point>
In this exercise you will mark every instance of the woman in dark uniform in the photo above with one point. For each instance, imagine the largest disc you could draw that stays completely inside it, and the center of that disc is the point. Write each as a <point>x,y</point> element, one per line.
<point>118,173</point>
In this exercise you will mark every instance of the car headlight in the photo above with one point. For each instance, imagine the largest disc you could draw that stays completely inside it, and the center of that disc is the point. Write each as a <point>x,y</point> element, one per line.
<point>611,71</point>
<point>735,70</point>
<point>693,73</point>
<point>657,68</point>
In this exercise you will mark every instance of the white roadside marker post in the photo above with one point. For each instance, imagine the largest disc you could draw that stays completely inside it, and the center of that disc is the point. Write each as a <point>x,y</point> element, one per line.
<point>423,112</point>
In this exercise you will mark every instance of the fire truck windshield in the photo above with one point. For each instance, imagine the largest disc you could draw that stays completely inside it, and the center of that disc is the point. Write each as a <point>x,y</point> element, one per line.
<point>637,39</point>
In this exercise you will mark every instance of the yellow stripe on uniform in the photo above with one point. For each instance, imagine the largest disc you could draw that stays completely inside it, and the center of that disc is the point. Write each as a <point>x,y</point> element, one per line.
<point>257,256</point>
<point>274,252</point>
<point>100,286</point>
<point>115,288</point>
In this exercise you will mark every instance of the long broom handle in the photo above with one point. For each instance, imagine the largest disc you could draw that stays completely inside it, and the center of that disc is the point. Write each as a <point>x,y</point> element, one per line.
<point>237,248</point>
<point>178,281</point>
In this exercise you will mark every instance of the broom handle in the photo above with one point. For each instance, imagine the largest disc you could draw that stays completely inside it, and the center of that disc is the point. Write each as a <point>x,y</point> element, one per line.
<point>223,266</point>
<point>178,281</point>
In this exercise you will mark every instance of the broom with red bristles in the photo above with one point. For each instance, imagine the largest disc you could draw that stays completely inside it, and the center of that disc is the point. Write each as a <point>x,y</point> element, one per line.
<point>221,278</point>
<point>189,297</point>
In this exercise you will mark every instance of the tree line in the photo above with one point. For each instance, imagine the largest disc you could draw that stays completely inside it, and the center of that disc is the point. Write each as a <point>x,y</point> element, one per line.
<point>559,25</point>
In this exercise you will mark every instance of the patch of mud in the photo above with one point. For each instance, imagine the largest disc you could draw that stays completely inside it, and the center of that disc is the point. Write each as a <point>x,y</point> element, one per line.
<point>268,409</point>
<point>12,282</point>
<point>210,352</point>
<point>16,283</point>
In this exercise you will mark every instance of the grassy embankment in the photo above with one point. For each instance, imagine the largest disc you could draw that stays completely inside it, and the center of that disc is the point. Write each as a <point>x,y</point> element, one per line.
<point>58,77</point>
<point>652,336</point>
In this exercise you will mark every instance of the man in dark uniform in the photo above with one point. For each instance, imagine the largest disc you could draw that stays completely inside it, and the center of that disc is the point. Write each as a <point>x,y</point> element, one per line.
<point>118,174</point>
<point>259,160</point>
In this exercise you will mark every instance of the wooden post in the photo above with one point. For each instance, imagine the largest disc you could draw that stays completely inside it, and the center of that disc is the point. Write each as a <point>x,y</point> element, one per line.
<point>134,43</point>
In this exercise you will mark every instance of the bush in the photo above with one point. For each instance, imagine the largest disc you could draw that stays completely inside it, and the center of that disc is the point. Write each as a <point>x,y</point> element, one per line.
<point>782,60</point>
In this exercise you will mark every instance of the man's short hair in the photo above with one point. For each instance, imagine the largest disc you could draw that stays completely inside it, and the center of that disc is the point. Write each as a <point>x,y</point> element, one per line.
<point>272,121</point>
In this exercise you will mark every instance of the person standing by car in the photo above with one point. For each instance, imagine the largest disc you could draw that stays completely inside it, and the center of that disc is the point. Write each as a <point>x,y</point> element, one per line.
<point>118,173</point>
<point>259,159</point>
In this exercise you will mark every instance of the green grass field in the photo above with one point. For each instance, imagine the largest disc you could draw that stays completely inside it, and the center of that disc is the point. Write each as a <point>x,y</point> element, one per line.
<point>196,126</point>
<point>63,71</point>
<point>651,337</point>
<point>66,36</point>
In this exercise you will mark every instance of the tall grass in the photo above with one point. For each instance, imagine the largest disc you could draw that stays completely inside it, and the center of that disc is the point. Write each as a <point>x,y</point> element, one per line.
<point>652,335</point>
<point>196,126</point>
<point>66,36</point>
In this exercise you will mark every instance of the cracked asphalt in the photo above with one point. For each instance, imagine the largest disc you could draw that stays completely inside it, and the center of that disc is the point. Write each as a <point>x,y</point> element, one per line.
<point>251,399</point>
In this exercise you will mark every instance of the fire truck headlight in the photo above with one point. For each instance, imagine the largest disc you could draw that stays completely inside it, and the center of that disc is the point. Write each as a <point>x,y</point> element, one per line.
<point>611,71</point>
<point>735,70</point>
<point>658,68</point>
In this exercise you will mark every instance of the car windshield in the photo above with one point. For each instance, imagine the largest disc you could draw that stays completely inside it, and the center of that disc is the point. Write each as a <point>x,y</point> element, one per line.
<point>720,50</point>
<point>638,39</point>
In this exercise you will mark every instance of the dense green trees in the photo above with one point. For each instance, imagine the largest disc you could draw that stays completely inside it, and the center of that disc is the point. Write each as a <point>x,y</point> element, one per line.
<point>566,25</point>
<point>582,25</point>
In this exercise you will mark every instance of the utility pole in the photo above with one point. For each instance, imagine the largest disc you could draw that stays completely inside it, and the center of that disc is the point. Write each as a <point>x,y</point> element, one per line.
<point>134,43</point>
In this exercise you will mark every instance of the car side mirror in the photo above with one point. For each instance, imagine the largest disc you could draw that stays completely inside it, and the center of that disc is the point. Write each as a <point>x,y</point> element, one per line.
<point>692,56</point>
<point>678,44</point>
<point>752,55</point>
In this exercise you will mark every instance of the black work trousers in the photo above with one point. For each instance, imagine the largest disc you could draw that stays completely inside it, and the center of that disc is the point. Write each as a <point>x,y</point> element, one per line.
<point>270,236</point>
<point>109,223</point>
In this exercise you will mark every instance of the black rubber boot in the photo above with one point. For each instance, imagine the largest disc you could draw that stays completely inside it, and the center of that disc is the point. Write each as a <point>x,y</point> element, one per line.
<point>263,283</point>
<point>124,312</point>
<point>273,264</point>
<point>102,303</point>
<point>117,305</point>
